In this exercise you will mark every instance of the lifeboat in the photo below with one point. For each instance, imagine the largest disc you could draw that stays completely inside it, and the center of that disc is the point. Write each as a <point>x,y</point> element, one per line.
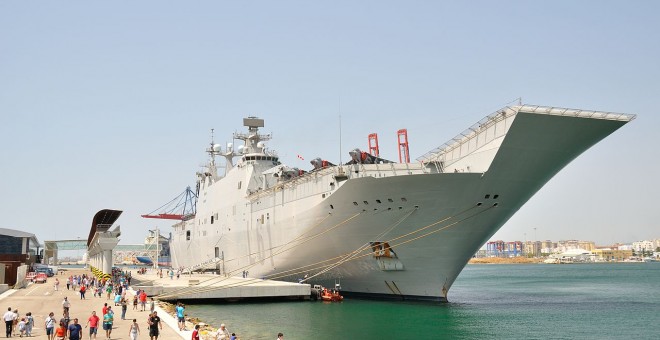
<point>331,296</point>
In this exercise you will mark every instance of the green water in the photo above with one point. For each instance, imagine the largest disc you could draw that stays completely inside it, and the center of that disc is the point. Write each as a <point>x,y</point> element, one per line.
<point>580,301</point>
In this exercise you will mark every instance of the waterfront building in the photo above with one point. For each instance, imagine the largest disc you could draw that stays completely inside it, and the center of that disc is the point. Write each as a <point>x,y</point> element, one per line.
<point>500,248</point>
<point>643,246</point>
<point>609,254</point>
<point>18,251</point>
<point>533,248</point>
<point>566,245</point>
<point>622,246</point>
<point>547,246</point>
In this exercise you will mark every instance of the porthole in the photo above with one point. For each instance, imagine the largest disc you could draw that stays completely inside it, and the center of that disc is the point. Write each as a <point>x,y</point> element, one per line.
<point>403,199</point>
<point>390,200</point>
<point>331,207</point>
<point>378,201</point>
<point>496,196</point>
<point>354,203</point>
<point>487,196</point>
<point>365,202</point>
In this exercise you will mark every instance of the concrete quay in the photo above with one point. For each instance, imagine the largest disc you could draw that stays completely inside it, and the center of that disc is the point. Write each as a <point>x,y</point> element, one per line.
<point>41,299</point>
<point>216,287</point>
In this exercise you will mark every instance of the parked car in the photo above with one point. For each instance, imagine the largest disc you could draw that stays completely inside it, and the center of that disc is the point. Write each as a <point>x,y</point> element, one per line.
<point>41,278</point>
<point>48,271</point>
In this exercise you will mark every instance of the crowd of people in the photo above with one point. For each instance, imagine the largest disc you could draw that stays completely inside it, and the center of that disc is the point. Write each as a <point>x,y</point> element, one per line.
<point>116,288</point>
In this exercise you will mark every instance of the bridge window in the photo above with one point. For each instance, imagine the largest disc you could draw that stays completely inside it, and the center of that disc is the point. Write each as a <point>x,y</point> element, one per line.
<point>188,235</point>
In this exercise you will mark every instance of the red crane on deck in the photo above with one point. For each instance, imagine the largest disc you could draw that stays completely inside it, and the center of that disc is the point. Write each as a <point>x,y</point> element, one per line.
<point>182,207</point>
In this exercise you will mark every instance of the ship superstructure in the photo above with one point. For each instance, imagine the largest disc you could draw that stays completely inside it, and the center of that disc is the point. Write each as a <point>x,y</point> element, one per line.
<point>381,228</point>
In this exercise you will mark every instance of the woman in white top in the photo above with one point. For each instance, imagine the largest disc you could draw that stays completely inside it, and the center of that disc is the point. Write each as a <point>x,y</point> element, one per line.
<point>134,330</point>
<point>50,326</point>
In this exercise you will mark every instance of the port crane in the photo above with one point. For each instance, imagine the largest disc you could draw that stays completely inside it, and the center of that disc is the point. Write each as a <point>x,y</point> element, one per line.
<point>182,207</point>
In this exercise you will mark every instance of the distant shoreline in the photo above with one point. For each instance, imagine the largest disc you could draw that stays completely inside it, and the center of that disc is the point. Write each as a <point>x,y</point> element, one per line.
<point>504,260</point>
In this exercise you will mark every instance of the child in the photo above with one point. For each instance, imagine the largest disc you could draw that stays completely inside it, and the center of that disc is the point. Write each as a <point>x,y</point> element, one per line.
<point>21,327</point>
<point>195,333</point>
<point>233,336</point>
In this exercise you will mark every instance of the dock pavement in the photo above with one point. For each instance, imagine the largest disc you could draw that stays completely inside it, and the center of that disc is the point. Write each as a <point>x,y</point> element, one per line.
<point>41,299</point>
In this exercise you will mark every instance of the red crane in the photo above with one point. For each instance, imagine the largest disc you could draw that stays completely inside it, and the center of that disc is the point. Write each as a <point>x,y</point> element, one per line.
<point>404,152</point>
<point>180,208</point>
<point>373,145</point>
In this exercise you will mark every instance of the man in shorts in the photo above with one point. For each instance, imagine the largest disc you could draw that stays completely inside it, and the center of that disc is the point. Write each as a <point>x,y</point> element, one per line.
<point>108,319</point>
<point>154,324</point>
<point>50,326</point>
<point>143,300</point>
<point>181,316</point>
<point>93,323</point>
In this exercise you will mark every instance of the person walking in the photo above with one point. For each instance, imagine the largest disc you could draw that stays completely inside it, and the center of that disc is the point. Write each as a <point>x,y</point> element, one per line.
<point>56,285</point>
<point>60,332</point>
<point>65,306</point>
<point>50,326</point>
<point>93,323</point>
<point>108,320</point>
<point>181,316</point>
<point>82,291</point>
<point>16,319</point>
<point>108,290</point>
<point>29,322</point>
<point>154,325</point>
<point>134,330</point>
<point>124,307</point>
<point>143,300</point>
<point>21,327</point>
<point>9,322</point>
<point>135,302</point>
<point>75,330</point>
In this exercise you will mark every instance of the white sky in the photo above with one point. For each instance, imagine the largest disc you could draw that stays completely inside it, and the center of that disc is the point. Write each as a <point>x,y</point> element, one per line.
<point>109,105</point>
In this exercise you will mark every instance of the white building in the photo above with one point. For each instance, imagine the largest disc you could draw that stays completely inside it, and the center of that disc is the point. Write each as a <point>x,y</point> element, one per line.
<point>643,246</point>
<point>625,247</point>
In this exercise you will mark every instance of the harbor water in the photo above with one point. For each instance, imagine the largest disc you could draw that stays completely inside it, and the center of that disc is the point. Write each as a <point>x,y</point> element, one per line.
<point>521,301</point>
